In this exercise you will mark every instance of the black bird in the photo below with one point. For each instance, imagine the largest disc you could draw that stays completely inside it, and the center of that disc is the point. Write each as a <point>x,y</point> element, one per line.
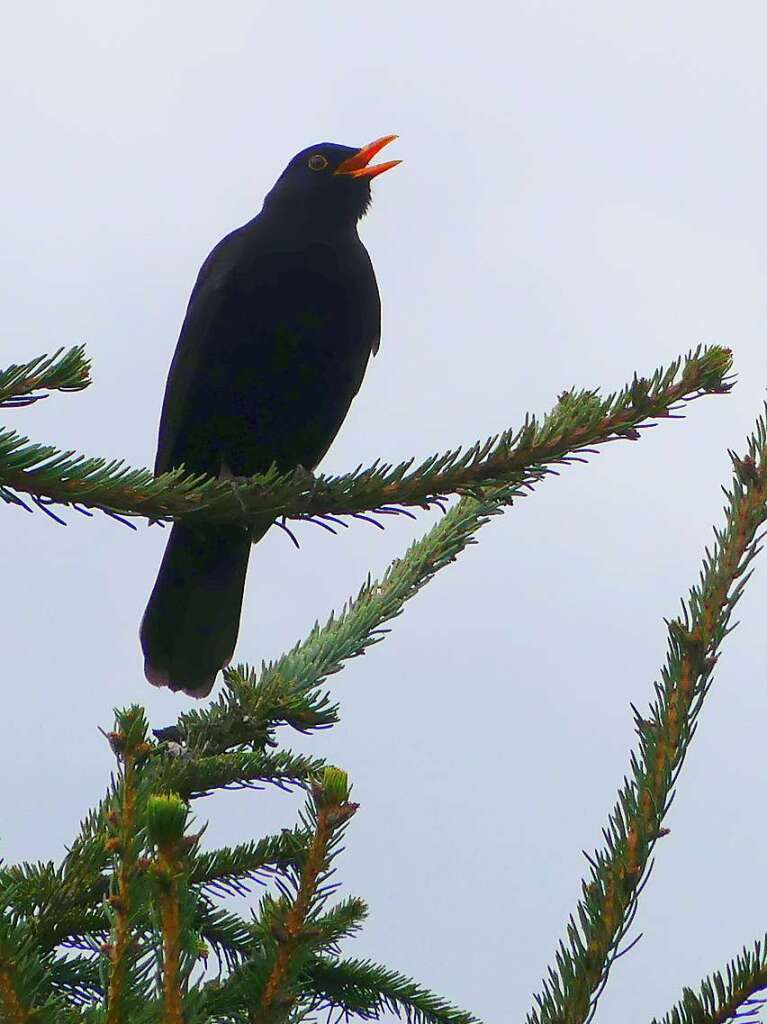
<point>279,328</point>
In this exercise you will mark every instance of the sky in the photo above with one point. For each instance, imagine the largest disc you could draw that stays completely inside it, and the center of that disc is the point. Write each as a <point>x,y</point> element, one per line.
<point>582,197</point>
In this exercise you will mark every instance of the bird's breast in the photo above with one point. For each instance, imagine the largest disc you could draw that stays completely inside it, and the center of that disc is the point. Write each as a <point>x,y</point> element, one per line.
<point>290,357</point>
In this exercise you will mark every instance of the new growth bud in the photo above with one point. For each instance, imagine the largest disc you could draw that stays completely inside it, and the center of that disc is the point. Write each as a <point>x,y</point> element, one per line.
<point>166,818</point>
<point>332,788</point>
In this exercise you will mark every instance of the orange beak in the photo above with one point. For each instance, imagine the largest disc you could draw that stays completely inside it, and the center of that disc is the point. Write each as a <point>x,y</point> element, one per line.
<point>357,166</point>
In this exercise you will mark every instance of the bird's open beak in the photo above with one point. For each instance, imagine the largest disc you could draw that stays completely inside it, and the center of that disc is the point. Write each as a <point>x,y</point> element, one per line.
<point>358,166</point>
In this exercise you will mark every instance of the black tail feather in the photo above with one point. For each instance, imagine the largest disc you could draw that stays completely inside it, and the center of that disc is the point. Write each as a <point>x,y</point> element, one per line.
<point>191,622</point>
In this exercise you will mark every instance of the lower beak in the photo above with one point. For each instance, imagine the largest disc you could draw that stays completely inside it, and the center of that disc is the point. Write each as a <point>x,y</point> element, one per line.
<point>358,166</point>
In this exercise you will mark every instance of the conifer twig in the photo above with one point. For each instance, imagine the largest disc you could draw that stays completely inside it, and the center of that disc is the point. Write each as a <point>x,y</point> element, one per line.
<point>166,816</point>
<point>722,999</point>
<point>579,421</point>
<point>365,989</point>
<point>254,703</point>
<point>229,870</point>
<point>609,900</point>
<point>27,995</point>
<point>14,1009</point>
<point>331,812</point>
<point>240,770</point>
<point>130,746</point>
<point>63,371</point>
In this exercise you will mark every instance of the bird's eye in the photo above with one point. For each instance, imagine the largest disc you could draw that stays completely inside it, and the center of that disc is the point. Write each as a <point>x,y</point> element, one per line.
<point>317,162</point>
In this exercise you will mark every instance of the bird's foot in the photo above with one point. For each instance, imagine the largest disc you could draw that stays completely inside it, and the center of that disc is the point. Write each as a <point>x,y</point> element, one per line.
<point>303,475</point>
<point>236,483</point>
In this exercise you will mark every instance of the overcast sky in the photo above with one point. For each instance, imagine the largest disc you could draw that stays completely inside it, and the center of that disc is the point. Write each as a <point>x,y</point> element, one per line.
<point>582,197</point>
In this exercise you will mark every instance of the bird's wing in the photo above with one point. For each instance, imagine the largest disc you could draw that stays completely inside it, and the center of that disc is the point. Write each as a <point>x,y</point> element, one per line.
<point>371,305</point>
<point>212,291</point>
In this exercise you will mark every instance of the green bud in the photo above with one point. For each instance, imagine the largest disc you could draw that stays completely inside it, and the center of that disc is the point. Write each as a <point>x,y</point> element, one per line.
<point>166,817</point>
<point>132,723</point>
<point>332,788</point>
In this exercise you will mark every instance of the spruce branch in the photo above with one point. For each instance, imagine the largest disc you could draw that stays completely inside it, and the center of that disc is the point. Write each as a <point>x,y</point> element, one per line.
<point>253,704</point>
<point>229,870</point>
<point>289,929</point>
<point>65,370</point>
<point>60,905</point>
<point>720,999</point>
<point>609,902</point>
<point>15,1008</point>
<point>364,989</point>
<point>77,978</point>
<point>26,995</point>
<point>57,908</point>
<point>65,905</point>
<point>166,820</point>
<point>579,421</point>
<point>130,746</point>
<point>341,922</point>
<point>241,770</point>
<point>34,886</point>
<point>230,937</point>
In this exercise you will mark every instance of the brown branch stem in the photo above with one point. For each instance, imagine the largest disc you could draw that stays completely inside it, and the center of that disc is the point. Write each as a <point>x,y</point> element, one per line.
<point>124,845</point>
<point>13,1010</point>
<point>170,924</point>
<point>329,818</point>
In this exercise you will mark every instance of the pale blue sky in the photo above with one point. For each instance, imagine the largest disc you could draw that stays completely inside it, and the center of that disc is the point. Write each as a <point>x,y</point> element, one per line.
<point>582,196</point>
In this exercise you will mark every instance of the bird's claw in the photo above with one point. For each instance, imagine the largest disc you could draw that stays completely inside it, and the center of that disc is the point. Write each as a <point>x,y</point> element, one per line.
<point>235,482</point>
<point>306,477</point>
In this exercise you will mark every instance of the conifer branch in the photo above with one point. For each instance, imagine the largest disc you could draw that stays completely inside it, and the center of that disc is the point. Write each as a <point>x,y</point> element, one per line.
<point>365,989</point>
<point>230,869</point>
<point>14,1008</point>
<point>77,978</point>
<point>579,421</point>
<point>253,704</point>
<point>198,776</point>
<point>226,933</point>
<point>26,996</point>
<point>166,817</point>
<point>609,902</point>
<point>722,999</point>
<point>130,746</point>
<point>341,922</point>
<point>65,370</point>
<point>330,812</point>
<point>55,908</point>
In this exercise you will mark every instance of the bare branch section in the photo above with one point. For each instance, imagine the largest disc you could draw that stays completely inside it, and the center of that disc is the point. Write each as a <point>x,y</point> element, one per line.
<point>609,902</point>
<point>579,421</point>
<point>731,996</point>
<point>26,383</point>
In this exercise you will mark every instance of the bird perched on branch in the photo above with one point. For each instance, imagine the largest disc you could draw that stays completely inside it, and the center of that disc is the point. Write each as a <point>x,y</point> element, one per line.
<point>280,325</point>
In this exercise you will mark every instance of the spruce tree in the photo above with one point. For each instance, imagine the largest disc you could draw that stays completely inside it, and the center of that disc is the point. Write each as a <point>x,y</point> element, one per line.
<point>132,925</point>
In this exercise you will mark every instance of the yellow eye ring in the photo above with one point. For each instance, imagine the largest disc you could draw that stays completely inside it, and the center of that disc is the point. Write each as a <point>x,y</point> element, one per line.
<point>317,162</point>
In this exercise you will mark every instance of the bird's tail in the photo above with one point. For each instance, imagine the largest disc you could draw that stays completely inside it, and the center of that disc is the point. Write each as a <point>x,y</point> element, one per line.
<point>191,622</point>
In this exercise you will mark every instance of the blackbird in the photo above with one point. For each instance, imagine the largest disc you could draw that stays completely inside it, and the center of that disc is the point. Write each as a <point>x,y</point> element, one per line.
<point>278,332</point>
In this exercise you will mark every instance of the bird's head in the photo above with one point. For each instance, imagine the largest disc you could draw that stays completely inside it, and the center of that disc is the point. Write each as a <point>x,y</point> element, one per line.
<point>329,183</point>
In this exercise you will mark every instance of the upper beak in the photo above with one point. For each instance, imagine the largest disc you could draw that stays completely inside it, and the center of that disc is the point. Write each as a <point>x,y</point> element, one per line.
<point>357,166</point>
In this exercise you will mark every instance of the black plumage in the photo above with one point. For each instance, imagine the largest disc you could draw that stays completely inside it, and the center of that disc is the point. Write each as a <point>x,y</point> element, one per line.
<point>278,332</point>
